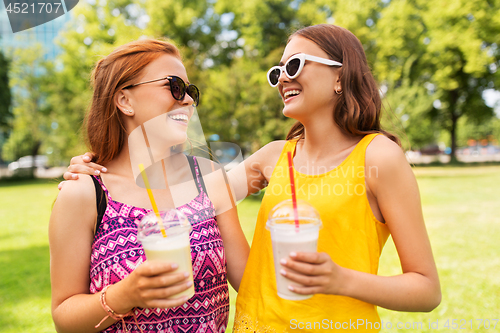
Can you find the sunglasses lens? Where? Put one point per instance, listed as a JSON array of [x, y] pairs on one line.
[[177, 87], [274, 76], [292, 67], [194, 93]]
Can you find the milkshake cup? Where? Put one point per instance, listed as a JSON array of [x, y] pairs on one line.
[[173, 248], [286, 237]]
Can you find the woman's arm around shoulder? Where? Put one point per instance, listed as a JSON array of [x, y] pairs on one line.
[[235, 244], [253, 174]]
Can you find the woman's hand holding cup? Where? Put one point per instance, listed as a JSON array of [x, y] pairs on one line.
[[153, 283], [314, 271]]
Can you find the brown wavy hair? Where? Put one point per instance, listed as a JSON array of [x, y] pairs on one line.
[[105, 132], [357, 111]]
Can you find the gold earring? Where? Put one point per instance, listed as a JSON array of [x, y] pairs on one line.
[[338, 91]]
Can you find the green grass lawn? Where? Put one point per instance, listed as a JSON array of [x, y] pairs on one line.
[[461, 208], [24, 256]]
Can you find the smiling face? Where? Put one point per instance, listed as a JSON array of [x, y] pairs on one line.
[[153, 101], [313, 91]]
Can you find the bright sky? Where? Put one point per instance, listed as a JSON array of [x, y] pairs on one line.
[[492, 99]]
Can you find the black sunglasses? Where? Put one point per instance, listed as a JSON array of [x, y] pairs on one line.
[[178, 88]]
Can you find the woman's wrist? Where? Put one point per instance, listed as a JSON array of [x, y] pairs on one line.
[[115, 299], [344, 282], [115, 315]]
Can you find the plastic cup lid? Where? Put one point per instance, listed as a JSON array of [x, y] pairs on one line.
[[283, 214], [173, 220]]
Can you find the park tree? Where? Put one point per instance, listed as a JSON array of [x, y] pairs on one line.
[[30, 109], [424, 56], [227, 48], [5, 100], [245, 108], [204, 34], [488, 131], [100, 27], [95, 30], [5, 94], [448, 48]]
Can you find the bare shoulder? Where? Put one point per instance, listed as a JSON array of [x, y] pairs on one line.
[[75, 207], [269, 154], [385, 153], [77, 192], [274, 147], [386, 160]]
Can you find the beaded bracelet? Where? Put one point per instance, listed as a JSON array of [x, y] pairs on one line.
[[113, 314]]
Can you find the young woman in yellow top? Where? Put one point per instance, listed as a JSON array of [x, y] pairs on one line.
[[358, 178]]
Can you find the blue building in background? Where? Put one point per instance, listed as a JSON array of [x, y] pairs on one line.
[[43, 34]]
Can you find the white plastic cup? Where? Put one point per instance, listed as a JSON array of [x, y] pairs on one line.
[[173, 248], [286, 238]]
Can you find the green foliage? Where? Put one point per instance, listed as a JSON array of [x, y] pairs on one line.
[[433, 61], [450, 49], [406, 115], [204, 37], [264, 25], [5, 94], [29, 108], [5, 101], [485, 130], [239, 105], [218, 50], [242, 108], [94, 32]]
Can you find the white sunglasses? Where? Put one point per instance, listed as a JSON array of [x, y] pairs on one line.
[[293, 67]]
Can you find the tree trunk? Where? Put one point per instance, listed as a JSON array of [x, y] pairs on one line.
[[453, 129], [453, 136], [34, 153]]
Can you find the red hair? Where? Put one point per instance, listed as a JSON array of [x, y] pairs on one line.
[[105, 132], [358, 110]]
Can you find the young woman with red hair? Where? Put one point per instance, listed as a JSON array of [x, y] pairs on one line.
[[100, 277]]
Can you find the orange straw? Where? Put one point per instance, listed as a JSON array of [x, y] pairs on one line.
[[152, 199], [294, 196]]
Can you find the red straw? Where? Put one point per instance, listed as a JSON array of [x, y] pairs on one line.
[[294, 197]]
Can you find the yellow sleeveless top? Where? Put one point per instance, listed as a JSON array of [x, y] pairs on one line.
[[351, 235]]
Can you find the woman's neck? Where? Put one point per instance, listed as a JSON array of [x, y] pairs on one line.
[[120, 165], [125, 182], [325, 139], [127, 162]]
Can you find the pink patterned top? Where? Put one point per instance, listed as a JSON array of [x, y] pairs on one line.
[[116, 253]]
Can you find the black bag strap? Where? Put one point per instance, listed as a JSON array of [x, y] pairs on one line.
[[101, 202]]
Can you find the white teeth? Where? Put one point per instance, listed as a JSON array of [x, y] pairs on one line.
[[180, 116], [291, 92]]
